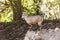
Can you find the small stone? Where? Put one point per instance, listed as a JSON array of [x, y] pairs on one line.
[[56, 29]]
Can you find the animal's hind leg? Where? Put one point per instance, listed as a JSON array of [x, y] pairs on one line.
[[39, 24]]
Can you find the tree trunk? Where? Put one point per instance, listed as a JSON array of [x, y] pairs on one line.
[[17, 9]]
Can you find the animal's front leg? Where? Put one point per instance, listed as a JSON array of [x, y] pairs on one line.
[[30, 26]]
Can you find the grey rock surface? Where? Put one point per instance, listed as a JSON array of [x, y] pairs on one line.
[[44, 34]]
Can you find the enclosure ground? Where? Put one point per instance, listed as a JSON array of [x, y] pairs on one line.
[[17, 31]]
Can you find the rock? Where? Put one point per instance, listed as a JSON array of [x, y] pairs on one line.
[[50, 34], [32, 35]]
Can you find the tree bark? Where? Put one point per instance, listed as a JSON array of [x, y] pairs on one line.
[[17, 9]]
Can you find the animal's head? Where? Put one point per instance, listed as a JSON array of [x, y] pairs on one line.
[[24, 16]]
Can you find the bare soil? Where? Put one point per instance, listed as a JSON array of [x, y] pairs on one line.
[[18, 30]]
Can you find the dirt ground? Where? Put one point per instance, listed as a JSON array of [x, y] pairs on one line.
[[17, 31]]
